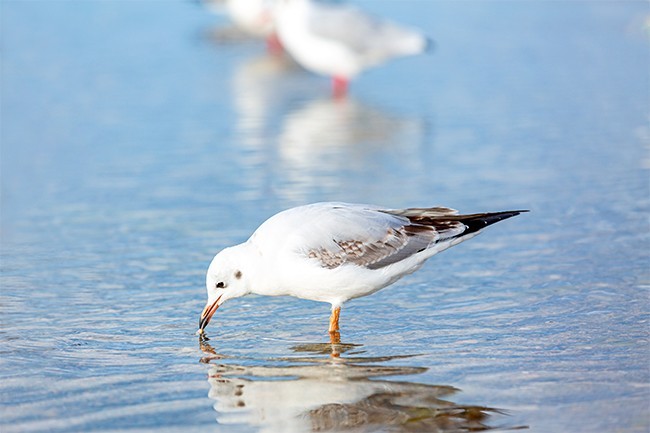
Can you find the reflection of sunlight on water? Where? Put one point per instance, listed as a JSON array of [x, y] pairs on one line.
[[313, 393]]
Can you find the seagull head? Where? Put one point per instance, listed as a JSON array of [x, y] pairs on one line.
[[225, 279]]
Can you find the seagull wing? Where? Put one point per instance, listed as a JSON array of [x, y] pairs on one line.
[[338, 234], [369, 237], [345, 24]]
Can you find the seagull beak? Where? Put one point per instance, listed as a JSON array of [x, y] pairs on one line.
[[208, 312]]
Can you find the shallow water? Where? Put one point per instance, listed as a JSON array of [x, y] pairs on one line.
[[137, 142]]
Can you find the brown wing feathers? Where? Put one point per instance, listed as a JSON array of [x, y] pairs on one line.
[[472, 222]]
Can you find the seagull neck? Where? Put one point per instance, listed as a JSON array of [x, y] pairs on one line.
[[252, 267], [260, 277]]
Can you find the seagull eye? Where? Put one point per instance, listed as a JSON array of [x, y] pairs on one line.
[[221, 285]]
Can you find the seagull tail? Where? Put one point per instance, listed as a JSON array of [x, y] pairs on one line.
[[404, 41]]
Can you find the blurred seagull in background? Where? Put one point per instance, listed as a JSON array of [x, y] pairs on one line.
[[252, 17], [340, 40], [333, 252]]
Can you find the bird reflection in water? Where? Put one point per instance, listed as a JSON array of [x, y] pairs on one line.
[[347, 392], [325, 142], [296, 143]]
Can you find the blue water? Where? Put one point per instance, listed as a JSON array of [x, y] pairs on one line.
[[136, 143]]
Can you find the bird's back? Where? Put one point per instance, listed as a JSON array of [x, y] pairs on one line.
[[371, 38]]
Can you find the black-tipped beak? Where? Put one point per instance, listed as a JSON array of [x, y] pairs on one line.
[[208, 312]]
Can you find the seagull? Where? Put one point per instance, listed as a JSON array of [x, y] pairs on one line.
[[252, 17], [341, 40], [333, 252]]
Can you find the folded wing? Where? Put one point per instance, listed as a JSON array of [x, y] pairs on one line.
[[374, 238]]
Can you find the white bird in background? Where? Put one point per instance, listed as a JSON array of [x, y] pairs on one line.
[[333, 252], [252, 17], [341, 40]]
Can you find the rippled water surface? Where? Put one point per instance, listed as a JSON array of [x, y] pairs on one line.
[[138, 140]]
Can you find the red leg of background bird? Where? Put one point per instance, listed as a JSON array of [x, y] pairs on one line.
[[273, 44], [339, 87]]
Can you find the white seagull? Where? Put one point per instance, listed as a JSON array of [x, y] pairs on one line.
[[333, 252], [340, 40], [253, 16]]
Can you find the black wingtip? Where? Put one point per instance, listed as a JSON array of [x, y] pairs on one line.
[[506, 214], [478, 222]]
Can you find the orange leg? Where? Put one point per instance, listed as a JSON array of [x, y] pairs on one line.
[[334, 319]]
